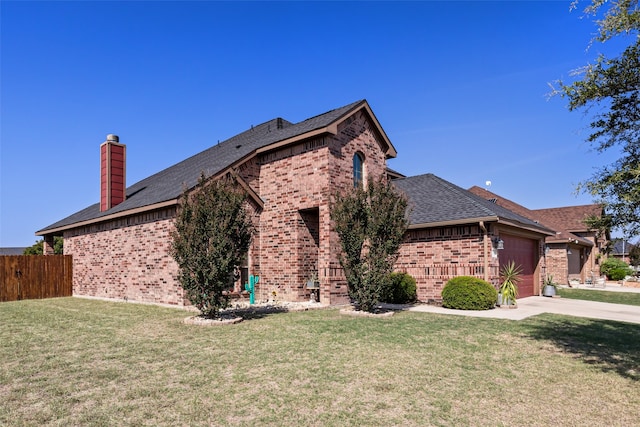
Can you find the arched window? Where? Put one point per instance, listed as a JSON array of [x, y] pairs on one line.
[[358, 169]]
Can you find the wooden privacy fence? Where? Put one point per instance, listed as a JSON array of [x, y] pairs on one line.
[[35, 277]]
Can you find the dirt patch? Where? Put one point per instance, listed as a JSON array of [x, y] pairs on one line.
[[630, 284], [239, 312], [218, 321], [359, 313]]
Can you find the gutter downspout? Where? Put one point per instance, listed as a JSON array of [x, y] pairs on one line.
[[485, 240]]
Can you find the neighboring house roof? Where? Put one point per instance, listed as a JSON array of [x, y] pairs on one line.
[[565, 221], [571, 217], [505, 203], [12, 251], [436, 202], [620, 249], [166, 186]]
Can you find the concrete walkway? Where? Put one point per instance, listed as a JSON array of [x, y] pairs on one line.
[[532, 306]]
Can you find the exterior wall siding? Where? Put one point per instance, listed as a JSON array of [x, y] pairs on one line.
[[433, 256], [355, 135], [126, 259], [556, 261], [296, 235], [293, 185]]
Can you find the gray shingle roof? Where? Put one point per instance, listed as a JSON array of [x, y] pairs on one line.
[[169, 183], [434, 200], [12, 251], [617, 247]]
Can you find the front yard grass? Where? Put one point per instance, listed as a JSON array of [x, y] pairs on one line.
[[629, 298], [71, 361]]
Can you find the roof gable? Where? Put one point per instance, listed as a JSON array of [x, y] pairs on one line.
[[165, 187]]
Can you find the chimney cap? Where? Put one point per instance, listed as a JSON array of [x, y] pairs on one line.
[[113, 138]]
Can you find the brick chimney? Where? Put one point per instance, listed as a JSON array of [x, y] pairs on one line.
[[112, 172]]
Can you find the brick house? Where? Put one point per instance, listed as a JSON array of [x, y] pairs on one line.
[[574, 250], [290, 172], [454, 232], [620, 249]]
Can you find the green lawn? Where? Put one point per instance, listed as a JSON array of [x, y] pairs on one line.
[[629, 298], [72, 362]]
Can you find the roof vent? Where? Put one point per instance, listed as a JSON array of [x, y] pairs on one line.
[[113, 138], [279, 124]]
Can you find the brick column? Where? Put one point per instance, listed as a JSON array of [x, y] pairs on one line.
[[47, 245]]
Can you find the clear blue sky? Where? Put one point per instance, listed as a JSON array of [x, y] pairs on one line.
[[459, 87]]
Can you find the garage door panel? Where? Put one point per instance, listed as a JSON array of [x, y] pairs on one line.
[[523, 252]]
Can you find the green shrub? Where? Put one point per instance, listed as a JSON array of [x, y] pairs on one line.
[[400, 289], [615, 269], [619, 273], [469, 293]]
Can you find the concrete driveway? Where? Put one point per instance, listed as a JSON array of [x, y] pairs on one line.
[[533, 306]]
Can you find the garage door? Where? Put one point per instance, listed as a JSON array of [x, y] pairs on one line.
[[524, 252]]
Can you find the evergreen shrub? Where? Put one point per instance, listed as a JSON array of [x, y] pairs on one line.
[[469, 293], [401, 288], [615, 269]]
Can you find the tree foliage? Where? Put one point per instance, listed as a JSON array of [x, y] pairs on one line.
[[213, 233], [401, 289], [371, 222], [612, 85], [634, 255], [615, 269], [38, 247]]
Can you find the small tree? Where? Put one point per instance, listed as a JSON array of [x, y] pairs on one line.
[[609, 87], [371, 223], [213, 233], [634, 255], [38, 247]]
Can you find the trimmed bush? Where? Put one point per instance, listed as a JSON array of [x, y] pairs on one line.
[[469, 293], [400, 289], [615, 269], [620, 273]]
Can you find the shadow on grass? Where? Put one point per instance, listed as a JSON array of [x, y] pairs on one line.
[[257, 312], [608, 345]]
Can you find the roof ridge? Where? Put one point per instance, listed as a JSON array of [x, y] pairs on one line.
[[345, 107], [469, 195], [570, 207], [169, 182]]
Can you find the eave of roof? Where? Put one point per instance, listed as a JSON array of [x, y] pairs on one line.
[[110, 217], [165, 187], [394, 174], [453, 222], [436, 202]]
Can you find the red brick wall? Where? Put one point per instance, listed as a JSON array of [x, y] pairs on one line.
[[296, 235], [355, 135], [129, 258], [556, 262], [435, 255], [126, 259], [293, 183]]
